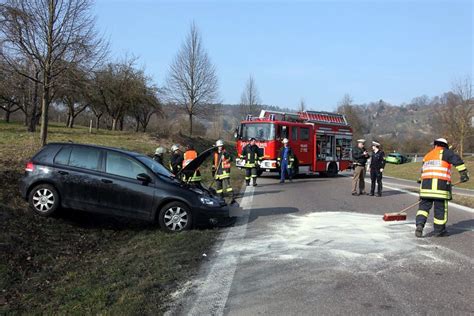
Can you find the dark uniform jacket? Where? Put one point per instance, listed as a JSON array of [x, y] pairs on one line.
[[251, 154], [377, 161], [358, 156], [176, 162], [158, 158]]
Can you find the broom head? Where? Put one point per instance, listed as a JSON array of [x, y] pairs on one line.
[[398, 216]]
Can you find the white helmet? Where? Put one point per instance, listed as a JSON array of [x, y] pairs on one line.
[[219, 143], [441, 140], [175, 147], [285, 141], [160, 151]]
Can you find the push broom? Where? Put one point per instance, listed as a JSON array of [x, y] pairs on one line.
[[402, 215]]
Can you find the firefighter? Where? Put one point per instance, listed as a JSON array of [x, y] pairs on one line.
[[285, 159], [189, 155], [377, 164], [436, 186], [252, 157], [176, 161], [159, 153], [221, 170], [360, 156]]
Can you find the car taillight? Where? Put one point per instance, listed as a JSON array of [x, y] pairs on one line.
[[30, 166]]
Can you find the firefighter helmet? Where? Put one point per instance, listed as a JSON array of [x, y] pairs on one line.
[[175, 147], [285, 141], [219, 143], [160, 151], [441, 141]]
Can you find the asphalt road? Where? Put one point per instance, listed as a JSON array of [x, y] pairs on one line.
[[311, 248]]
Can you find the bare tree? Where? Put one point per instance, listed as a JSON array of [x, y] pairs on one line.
[[72, 93], [52, 34], [192, 80], [115, 86], [346, 107], [250, 99], [456, 113], [302, 106]]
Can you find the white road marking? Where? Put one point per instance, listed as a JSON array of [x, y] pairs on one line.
[[214, 291], [451, 204]]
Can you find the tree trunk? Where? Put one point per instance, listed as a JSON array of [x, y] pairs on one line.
[[44, 114], [97, 125], [190, 124], [114, 124], [71, 121], [137, 127], [7, 116], [68, 119], [121, 123]]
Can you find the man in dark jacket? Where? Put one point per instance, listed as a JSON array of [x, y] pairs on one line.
[[286, 159], [251, 154], [377, 164], [176, 161], [360, 156]]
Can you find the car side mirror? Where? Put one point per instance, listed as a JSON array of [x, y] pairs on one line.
[[143, 177]]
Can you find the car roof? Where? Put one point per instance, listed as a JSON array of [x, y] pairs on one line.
[[120, 150]]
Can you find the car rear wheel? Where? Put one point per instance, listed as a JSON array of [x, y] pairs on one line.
[[175, 217], [44, 199], [332, 170]]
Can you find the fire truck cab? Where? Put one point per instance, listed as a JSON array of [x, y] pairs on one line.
[[321, 141]]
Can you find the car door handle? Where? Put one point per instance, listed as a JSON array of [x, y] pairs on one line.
[[106, 181], [63, 173]]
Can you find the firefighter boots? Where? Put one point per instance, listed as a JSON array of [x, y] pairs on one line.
[[419, 231]]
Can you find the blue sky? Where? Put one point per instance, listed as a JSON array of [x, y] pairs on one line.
[[316, 50]]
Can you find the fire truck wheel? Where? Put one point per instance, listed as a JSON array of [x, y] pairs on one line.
[[332, 170]]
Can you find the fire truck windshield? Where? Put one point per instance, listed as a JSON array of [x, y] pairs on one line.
[[260, 131]]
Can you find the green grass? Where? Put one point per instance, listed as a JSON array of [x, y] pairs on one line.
[[411, 171], [85, 263]]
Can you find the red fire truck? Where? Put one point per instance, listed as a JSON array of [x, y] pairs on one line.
[[321, 141]]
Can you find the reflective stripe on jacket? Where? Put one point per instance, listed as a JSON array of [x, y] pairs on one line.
[[222, 171], [251, 155], [189, 156], [436, 173]]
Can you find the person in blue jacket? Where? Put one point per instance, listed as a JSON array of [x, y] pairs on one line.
[[286, 159]]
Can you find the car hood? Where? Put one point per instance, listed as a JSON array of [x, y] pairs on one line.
[[197, 162]]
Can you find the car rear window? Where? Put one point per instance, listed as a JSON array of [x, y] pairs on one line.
[[83, 157], [46, 154], [62, 157]]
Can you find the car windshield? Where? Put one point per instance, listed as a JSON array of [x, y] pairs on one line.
[[156, 167], [259, 131], [394, 155]]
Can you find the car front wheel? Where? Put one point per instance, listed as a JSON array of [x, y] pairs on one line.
[[175, 217], [44, 199]]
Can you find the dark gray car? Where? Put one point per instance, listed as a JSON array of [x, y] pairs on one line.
[[116, 182]]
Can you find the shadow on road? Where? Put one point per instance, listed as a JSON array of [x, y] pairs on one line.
[[393, 192], [458, 228], [271, 211]]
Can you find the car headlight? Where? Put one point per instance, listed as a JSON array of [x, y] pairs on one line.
[[208, 201]]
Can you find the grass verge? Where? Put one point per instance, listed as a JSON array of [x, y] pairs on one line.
[[85, 263]]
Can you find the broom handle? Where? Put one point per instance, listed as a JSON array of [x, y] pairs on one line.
[[410, 206]]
